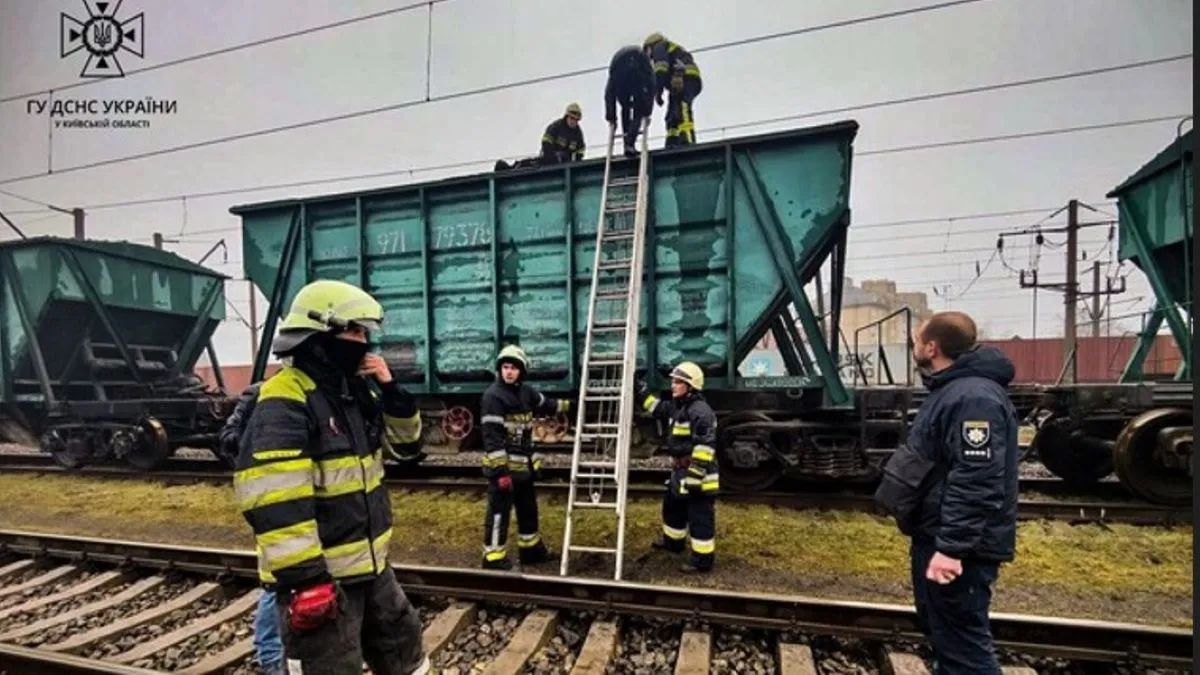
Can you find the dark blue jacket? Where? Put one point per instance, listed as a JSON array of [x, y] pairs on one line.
[[964, 438]]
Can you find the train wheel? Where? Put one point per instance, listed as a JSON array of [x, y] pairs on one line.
[[68, 452], [1072, 455], [747, 458], [147, 448], [457, 423], [1153, 455]]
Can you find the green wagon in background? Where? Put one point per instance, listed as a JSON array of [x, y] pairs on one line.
[[98, 343]]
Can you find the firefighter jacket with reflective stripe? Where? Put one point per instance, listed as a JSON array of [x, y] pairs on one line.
[[506, 415], [309, 476], [671, 60], [561, 143], [691, 435]]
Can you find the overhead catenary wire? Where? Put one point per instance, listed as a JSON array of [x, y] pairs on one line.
[[536, 80]]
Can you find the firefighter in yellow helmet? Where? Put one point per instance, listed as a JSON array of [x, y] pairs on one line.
[[309, 481], [676, 71], [509, 462], [689, 506], [563, 139]]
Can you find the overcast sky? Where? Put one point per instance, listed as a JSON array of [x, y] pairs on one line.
[[479, 43]]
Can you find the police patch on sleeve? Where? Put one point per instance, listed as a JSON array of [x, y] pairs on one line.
[[976, 434]]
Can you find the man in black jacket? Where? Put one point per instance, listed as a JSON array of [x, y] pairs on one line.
[[509, 462], [953, 489], [309, 481], [689, 505], [630, 83], [563, 139]]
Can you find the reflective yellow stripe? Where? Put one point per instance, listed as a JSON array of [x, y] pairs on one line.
[[681, 430], [564, 405], [704, 546], [660, 67], [289, 383], [650, 402], [276, 454], [338, 477], [492, 555], [380, 546], [403, 429], [702, 453], [673, 533], [692, 70], [289, 545], [273, 483], [348, 560], [528, 540], [373, 466], [711, 482]]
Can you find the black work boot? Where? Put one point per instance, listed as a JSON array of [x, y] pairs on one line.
[[503, 564], [668, 545], [535, 554], [689, 568]]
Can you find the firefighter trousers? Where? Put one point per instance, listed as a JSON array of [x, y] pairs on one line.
[[681, 120], [500, 504], [633, 110], [689, 516], [375, 624]]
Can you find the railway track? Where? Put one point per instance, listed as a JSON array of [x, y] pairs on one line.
[[1107, 503], [82, 605]]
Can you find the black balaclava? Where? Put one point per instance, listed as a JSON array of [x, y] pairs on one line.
[[331, 354]]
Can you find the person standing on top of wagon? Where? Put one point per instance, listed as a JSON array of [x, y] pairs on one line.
[[563, 139], [509, 462], [677, 72], [689, 505], [630, 83]]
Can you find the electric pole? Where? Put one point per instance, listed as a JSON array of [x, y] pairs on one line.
[[78, 215], [1069, 286], [1071, 289], [158, 240], [253, 323]]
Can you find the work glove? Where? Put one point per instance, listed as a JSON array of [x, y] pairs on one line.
[[677, 84], [228, 449], [504, 483], [640, 389], [312, 607]]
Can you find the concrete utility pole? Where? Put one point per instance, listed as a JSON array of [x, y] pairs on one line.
[[1095, 298], [79, 216], [1071, 290], [158, 240]]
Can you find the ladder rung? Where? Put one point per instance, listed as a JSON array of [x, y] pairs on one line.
[[594, 464], [597, 437], [619, 235], [601, 425], [623, 207], [622, 264], [617, 182], [608, 326], [613, 295], [604, 390], [585, 504], [600, 399], [599, 363], [597, 476], [593, 549], [608, 356]]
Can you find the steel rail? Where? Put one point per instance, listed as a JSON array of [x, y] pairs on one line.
[[450, 478], [1050, 636]]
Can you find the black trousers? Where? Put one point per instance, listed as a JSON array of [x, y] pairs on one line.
[[376, 623], [954, 616], [689, 516], [681, 119], [633, 110], [499, 507]]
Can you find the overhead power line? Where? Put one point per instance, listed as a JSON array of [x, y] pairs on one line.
[[235, 48], [412, 171], [537, 80]]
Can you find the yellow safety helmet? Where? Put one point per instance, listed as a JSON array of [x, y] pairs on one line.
[[514, 355], [574, 110], [652, 39], [689, 373], [327, 306]]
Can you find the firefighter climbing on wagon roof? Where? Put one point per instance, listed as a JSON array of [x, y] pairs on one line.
[[563, 138], [676, 71], [309, 481], [509, 462], [631, 83], [689, 505]]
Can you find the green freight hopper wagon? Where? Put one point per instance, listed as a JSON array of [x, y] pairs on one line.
[[1139, 428], [97, 347], [463, 266]]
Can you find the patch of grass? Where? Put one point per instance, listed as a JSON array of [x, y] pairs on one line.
[[858, 550]]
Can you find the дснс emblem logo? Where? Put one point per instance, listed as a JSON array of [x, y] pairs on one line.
[[103, 36]]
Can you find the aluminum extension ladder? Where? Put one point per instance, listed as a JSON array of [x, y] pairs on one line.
[[604, 422]]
